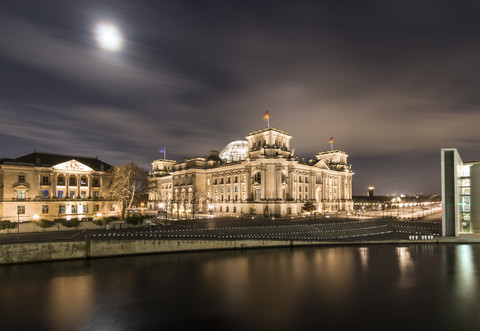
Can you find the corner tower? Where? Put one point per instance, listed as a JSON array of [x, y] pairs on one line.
[[269, 142]]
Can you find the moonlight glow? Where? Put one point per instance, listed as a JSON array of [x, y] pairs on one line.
[[108, 36]]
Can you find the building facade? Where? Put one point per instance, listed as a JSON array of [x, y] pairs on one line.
[[460, 194], [53, 186], [259, 176]]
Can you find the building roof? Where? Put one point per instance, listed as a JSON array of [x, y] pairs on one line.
[[268, 129], [235, 151], [50, 159]]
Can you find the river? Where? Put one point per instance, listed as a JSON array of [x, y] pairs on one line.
[[379, 287]]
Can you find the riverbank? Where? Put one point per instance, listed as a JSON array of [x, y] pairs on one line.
[[206, 235], [69, 250]]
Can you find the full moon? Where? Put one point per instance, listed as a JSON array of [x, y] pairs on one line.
[[108, 36]]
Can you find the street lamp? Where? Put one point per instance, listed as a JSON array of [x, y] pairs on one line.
[[18, 220], [161, 205], [210, 208]]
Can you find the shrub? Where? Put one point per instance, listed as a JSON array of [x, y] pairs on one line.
[[105, 220], [6, 225], [135, 219], [70, 224], [43, 223]]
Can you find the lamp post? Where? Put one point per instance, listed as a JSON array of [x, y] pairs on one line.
[[161, 205]]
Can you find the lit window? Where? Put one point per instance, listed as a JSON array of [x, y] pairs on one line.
[[20, 210], [21, 194], [72, 194], [45, 194], [72, 181], [61, 181], [60, 194], [83, 181]]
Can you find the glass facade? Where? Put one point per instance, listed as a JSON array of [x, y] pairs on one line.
[[465, 201], [234, 151]]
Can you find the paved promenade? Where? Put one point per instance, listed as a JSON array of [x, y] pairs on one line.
[[320, 229]]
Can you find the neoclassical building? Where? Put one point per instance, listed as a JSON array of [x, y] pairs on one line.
[[258, 176], [51, 186]]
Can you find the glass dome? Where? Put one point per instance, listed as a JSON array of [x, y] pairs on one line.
[[235, 151]]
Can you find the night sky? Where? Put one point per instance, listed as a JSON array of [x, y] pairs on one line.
[[391, 81]]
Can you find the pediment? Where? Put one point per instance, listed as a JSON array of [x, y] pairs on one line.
[[321, 164], [72, 165]]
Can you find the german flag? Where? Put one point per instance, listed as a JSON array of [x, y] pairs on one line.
[[331, 140], [266, 116]]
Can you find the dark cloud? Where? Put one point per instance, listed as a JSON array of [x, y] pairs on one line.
[[391, 81]]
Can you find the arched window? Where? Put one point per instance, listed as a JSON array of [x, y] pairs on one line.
[[258, 177]]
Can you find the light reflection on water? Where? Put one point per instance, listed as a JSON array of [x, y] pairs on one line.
[[379, 287]]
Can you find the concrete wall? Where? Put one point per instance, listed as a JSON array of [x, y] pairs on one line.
[[36, 252], [475, 197], [53, 251]]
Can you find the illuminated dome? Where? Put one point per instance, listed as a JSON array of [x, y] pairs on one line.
[[235, 151]]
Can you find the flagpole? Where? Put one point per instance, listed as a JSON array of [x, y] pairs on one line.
[[164, 153]]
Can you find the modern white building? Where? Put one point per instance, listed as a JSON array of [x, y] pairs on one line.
[[52, 186], [460, 194], [257, 176]]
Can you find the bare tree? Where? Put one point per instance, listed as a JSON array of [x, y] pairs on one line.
[[197, 200], [128, 185]]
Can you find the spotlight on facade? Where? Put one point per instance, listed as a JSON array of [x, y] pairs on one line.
[[99, 214], [161, 205], [36, 217]]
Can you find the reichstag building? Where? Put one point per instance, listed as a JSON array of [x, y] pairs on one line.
[[258, 176]]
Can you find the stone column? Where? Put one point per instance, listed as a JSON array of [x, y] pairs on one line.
[[263, 182], [290, 184], [79, 177], [278, 183], [67, 185], [248, 180], [89, 183], [54, 185]]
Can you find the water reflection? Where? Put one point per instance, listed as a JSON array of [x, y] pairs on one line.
[[69, 297], [405, 266], [283, 289]]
